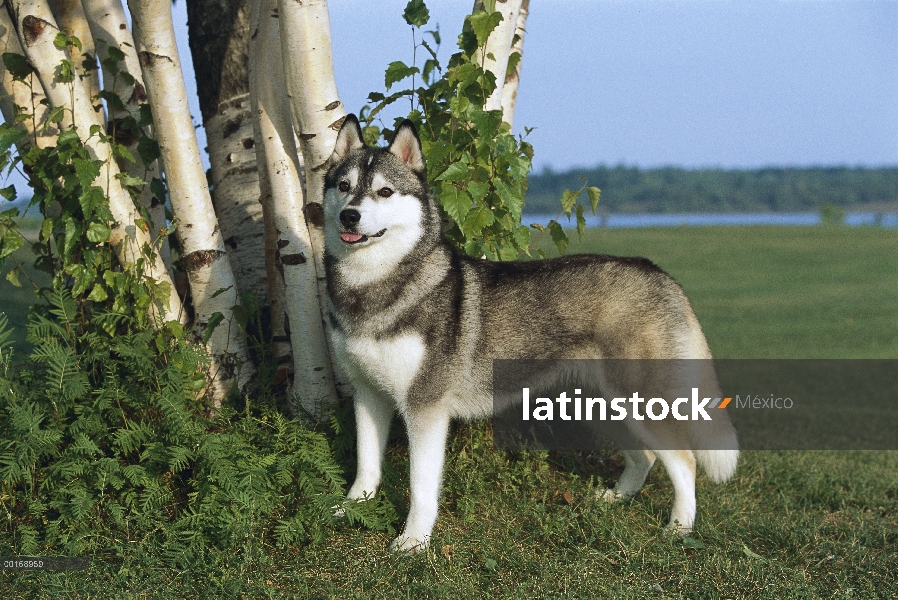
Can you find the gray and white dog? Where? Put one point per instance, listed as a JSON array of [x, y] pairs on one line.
[[416, 326]]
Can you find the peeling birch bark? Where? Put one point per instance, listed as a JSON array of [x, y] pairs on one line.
[[499, 46], [513, 78], [204, 258], [17, 97], [36, 29], [70, 17], [313, 380], [317, 117], [109, 29]]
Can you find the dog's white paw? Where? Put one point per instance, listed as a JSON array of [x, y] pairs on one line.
[[675, 528], [610, 495], [410, 544]]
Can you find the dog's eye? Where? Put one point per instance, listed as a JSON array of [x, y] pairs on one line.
[[344, 187], [385, 192]]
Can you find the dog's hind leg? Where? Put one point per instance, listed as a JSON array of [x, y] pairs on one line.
[[638, 464], [427, 432], [680, 465], [372, 420]]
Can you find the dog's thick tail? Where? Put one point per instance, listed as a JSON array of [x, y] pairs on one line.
[[720, 465]]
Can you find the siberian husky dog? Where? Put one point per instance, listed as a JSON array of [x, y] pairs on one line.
[[416, 326]]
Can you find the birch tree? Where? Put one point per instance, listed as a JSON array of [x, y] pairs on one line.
[[294, 256], [513, 69], [212, 285], [37, 30], [70, 17], [219, 44], [126, 92], [317, 114], [494, 57]]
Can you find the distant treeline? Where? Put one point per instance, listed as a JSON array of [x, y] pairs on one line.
[[669, 189]]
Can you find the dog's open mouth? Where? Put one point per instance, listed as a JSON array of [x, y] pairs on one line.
[[357, 238]]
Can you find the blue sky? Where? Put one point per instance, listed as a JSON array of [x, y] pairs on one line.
[[690, 83]]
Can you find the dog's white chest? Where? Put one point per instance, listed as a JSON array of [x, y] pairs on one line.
[[387, 364]]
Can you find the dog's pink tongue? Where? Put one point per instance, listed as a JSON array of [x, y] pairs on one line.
[[350, 237]]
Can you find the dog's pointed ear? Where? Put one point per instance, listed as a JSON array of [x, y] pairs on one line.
[[348, 139], [407, 147]]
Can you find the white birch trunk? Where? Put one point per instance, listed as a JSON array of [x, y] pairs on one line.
[[70, 17], [17, 97], [499, 46], [276, 151], [235, 197], [37, 29], [317, 117], [513, 78], [109, 29], [204, 257]]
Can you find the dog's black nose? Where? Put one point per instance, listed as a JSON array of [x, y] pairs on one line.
[[350, 217]]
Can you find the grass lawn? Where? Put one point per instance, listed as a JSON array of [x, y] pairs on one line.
[[789, 525]]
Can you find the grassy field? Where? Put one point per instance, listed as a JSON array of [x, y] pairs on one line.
[[789, 525]]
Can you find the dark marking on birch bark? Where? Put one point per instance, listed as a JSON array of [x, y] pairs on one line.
[[249, 143], [231, 242], [293, 259], [199, 259], [32, 28], [314, 214], [155, 202], [139, 94], [122, 26], [306, 136], [336, 125], [123, 135], [283, 244], [332, 105], [231, 127], [149, 59]]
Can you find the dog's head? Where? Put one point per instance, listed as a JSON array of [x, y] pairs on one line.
[[377, 207]]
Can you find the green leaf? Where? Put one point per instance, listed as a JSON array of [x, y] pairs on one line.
[[127, 180], [9, 192], [98, 232], [483, 24], [512, 199], [397, 71], [87, 171], [13, 278], [478, 190], [568, 199], [56, 115], [455, 202], [241, 316], [115, 54], [594, 195], [416, 13], [581, 221], [122, 152], [558, 236], [477, 219], [148, 150], [17, 65], [146, 116], [487, 123], [457, 171], [65, 72], [11, 241], [220, 291], [61, 40], [214, 321], [98, 294]]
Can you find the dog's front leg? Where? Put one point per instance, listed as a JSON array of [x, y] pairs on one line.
[[372, 420], [427, 431]]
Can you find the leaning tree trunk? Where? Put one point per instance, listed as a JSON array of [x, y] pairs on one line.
[[70, 17], [313, 380], [219, 43], [37, 29], [109, 29], [513, 76], [498, 47], [19, 97], [317, 116], [204, 258]]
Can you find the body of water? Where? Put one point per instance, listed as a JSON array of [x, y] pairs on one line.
[[853, 219]]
